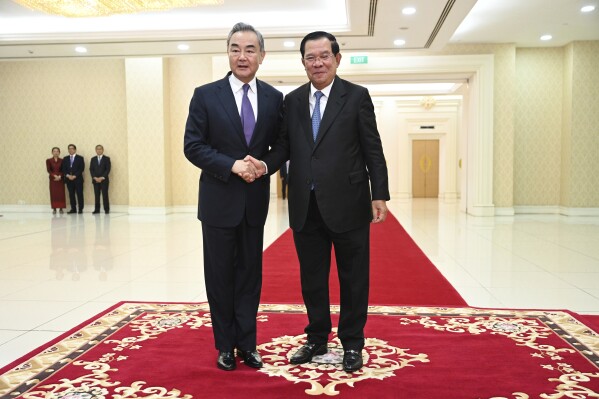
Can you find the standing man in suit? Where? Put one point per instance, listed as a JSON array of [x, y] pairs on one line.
[[283, 172], [228, 120], [338, 184], [99, 168], [73, 166]]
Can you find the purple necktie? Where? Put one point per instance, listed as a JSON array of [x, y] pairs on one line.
[[247, 115]]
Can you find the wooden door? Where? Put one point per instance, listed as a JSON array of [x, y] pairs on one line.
[[425, 168]]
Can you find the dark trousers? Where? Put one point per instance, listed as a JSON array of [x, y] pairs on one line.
[[352, 253], [284, 187], [75, 189], [101, 187], [233, 275]]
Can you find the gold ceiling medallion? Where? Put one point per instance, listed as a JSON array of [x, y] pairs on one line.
[[428, 102], [101, 8]]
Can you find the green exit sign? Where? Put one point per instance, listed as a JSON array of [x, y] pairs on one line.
[[359, 59]]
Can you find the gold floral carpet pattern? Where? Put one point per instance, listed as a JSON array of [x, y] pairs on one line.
[[165, 350]]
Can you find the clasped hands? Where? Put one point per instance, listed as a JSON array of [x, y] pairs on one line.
[[249, 168]]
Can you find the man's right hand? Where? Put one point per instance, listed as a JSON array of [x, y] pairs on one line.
[[245, 170], [258, 165]]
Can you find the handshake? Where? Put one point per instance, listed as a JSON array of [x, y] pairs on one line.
[[249, 168]]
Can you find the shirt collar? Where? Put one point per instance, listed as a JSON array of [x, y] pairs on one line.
[[326, 91], [237, 84]]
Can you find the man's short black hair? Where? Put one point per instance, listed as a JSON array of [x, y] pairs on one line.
[[318, 35]]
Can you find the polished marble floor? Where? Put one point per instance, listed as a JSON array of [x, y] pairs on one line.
[[58, 271]]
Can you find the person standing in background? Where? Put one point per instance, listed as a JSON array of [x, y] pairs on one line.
[[99, 168], [72, 168], [284, 172], [58, 200], [228, 120]]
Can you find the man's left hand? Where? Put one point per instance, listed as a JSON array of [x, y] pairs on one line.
[[379, 211]]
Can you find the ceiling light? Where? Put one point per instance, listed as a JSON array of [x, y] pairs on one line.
[[91, 8], [408, 11], [183, 47], [289, 43], [587, 9], [399, 42], [80, 49], [546, 37]]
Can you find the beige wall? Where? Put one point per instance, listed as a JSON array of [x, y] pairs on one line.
[[581, 132], [53, 103], [557, 126], [537, 151], [186, 73], [545, 136]]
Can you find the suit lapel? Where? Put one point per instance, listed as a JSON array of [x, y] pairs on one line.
[[335, 103], [263, 108], [227, 100], [303, 108]]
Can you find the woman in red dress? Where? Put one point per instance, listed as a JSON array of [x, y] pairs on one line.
[[57, 196]]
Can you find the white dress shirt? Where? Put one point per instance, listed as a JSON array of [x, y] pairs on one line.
[[323, 100], [237, 87]]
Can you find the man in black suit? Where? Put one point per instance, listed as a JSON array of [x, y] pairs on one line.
[[73, 166], [228, 120], [338, 184], [283, 173], [99, 168]]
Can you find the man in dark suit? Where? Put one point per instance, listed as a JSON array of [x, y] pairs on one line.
[[338, 184], [228, 120], [284, 175], [99, 168], [73, 166]]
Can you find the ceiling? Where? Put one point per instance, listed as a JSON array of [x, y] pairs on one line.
[[358, 24]]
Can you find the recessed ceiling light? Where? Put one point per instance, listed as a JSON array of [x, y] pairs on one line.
[[289, 43], [546, 37], [587, 9], [399, 42], [408, 11], [80, 49], [183, 47]]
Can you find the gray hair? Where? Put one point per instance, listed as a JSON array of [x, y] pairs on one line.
[[242, 27]]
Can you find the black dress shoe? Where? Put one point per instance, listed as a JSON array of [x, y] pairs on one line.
[[352, 361], [71, 211], [250, 358], [95, 212], [80, 211], [226, 361], [307, 352]]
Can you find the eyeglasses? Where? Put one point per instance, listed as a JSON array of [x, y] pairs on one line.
[[323, 58]]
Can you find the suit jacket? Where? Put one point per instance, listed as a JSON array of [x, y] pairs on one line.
[[76, 169], [99, 170], [214, 140], [346, 164]]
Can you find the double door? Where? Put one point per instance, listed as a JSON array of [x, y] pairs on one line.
[[425, 168]]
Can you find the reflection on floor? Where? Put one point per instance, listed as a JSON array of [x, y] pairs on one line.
[[59, 270]]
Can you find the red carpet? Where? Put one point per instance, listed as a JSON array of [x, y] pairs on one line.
[[436, 348], [400, 272], [152, 350]]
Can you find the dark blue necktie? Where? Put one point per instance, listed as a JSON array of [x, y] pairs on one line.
[[247, 115], [316, 115]]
